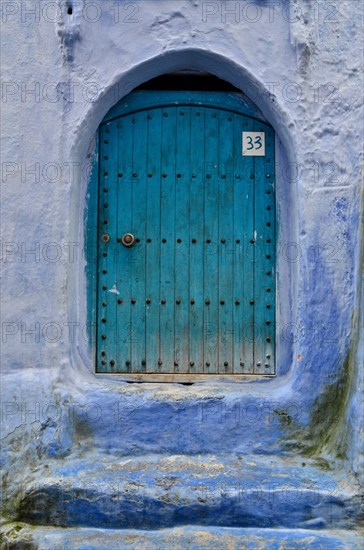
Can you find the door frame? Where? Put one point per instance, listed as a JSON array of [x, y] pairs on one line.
[[138, 101]]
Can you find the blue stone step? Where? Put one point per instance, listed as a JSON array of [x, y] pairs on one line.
[[157, 491], [183, 538]]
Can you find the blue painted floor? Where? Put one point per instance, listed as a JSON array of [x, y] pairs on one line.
[[184, 538], [157, 492]]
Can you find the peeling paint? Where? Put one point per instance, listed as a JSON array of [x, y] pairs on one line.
[[114, 290]]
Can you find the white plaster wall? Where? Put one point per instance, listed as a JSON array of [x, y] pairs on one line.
[[300, 61]]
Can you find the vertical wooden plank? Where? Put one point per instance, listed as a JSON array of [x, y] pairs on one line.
[[241, 347], [225, 190], [182, 239], [125, 256], [167, 236], [211, 243], [271, 228], [107, 338], [264, 264], [153, 228], [244, 252], [138, 229], [196, 245]]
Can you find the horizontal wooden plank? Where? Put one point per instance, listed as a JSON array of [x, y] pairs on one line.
[[186, 378], [226, 101]]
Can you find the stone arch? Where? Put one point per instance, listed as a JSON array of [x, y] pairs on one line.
[[286, 169]]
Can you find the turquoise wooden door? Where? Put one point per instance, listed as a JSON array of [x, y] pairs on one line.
[[186, 245]]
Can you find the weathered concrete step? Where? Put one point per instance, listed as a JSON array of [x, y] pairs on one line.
[[184, 538], [154, 492]]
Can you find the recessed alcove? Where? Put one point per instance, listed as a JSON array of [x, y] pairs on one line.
[[225, 324]]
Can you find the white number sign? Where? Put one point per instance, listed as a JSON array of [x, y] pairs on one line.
[[253, 144]]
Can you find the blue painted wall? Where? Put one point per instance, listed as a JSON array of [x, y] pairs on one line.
[[302, 70]]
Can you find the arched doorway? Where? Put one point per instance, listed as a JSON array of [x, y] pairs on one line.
[[186, 237]]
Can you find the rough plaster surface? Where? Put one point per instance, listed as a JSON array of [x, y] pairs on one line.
[[301, 64], [191, 538]]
